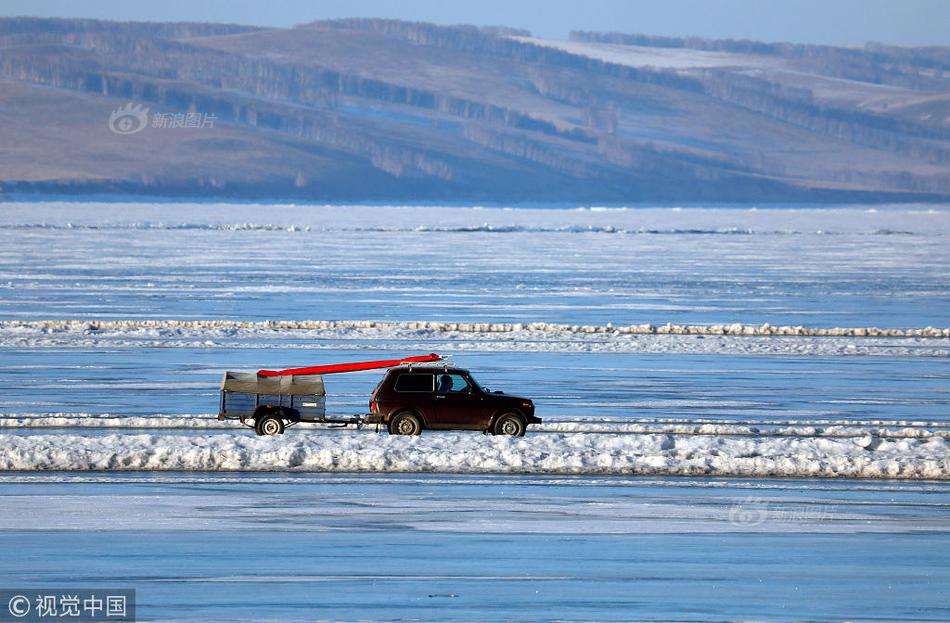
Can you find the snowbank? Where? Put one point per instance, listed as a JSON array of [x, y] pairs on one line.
[[632, 426], [734, 329], [90, 420], [899, 219], [477, 337], [574, 453]]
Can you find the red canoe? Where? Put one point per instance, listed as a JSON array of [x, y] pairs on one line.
[[351, 367]]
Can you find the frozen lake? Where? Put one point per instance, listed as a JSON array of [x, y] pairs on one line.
[[246, 547], [141, 381], [717, 404], [508, 535], [883, 266], [854, 266]]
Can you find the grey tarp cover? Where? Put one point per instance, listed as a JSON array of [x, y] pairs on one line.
[[291, 385]]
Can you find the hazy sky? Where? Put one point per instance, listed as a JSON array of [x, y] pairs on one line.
[[848, 22]]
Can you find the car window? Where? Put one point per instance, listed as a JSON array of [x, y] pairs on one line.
[[415, 382], [451, 383]]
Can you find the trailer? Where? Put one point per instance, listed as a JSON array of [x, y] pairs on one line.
[[269, 401]]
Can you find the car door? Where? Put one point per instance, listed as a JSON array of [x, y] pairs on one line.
[[415, 391], [459, 402]]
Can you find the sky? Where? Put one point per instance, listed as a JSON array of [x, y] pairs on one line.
[[841, 22]]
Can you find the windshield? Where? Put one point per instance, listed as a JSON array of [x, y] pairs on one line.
[[476, 384]]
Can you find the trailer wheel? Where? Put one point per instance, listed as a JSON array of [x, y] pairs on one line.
[[509, 424], [269, 425], [405, 423]]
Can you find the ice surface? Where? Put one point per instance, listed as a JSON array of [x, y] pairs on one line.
[[154, 379], [714, 325], [831, 267], [209, 522], [368, 547], [638, 504]]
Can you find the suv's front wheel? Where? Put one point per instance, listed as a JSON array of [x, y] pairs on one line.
[[509, 424], [405, 423]]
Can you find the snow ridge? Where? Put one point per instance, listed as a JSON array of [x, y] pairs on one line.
[[764, 428], [735, 329], [559, 453], [489, 228]]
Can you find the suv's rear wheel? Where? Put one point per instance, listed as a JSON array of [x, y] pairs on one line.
[[269, 425], [405, 423], [509, 424]]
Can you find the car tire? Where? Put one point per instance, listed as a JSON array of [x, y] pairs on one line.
[[405, 423], [269, 425], [510, 424]]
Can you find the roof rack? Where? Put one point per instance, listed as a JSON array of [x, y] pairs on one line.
[[432, 364]]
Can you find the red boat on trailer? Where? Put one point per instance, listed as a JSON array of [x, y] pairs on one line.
[[413, 396], [276, 399]]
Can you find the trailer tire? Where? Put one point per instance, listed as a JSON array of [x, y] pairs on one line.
[[509, 424], [269, 425], [405, 423]]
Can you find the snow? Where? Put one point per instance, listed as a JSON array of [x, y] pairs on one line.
[[226, 327], [581, 424], [667, 58], [96, 420], [425, 336], [868, 95], [555, 453], [782, 221]]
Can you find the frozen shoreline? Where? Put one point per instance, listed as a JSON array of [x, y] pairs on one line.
[[556, 453]]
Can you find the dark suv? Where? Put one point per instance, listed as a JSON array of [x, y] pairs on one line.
[[410, 399]]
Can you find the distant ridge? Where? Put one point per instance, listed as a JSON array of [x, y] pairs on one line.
[[387, 110]]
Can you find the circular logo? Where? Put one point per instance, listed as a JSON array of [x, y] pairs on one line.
[[128, 119], [19, 606], [748, 513]]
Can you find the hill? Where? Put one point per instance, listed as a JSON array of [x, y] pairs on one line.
[[371, 109]]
